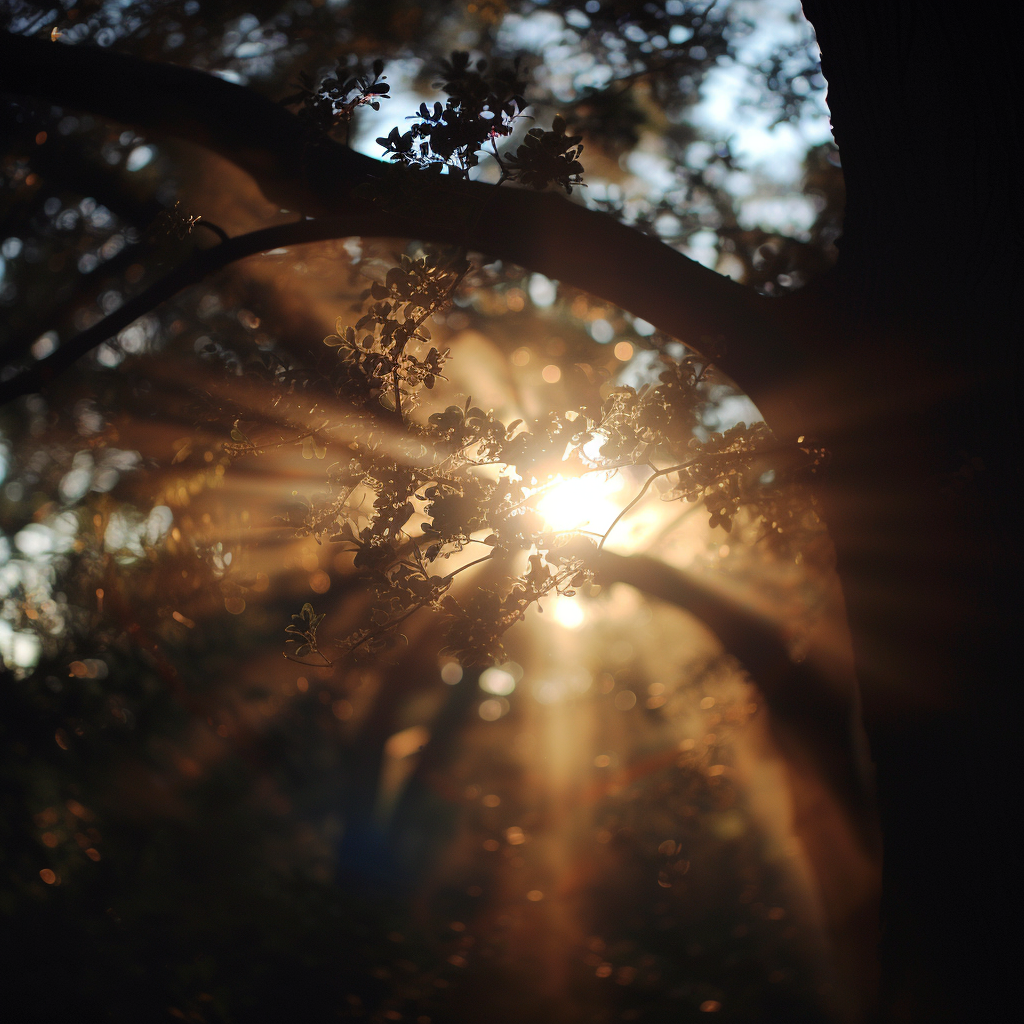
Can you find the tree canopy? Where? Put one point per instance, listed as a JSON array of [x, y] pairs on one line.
[[418, 458]]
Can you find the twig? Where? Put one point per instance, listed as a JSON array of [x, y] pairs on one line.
[[643, 490], [201, 222], [398, 393], [298, 661]]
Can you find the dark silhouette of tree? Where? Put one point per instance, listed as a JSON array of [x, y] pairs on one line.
[[893, 364]]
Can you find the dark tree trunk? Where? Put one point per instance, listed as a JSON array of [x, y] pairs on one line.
[[917, 390]]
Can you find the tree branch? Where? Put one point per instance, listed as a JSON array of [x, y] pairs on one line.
[[541, 231], [807, 709], [197, 267]]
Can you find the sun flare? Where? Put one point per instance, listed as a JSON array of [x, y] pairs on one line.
[[582, 503]]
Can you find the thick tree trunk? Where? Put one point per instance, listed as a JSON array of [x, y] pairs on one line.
[[925, 484]]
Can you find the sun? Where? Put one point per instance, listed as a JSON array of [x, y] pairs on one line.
[[582, 503]]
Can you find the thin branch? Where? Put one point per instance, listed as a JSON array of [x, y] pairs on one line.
[[773, 449], [195, 269], [398, 394], [259, 449], [635, 501], [427, 311], [422, 603], [298, 661], [201, 222], [390, 624], [468, 565]]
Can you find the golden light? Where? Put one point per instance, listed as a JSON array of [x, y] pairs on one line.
[[408, 741], [568, 613], [582, 503]]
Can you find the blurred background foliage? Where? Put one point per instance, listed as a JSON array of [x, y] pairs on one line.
[[194, 827]]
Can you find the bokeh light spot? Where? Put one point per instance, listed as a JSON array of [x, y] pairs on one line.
[[625, 699], [496, 681], [451, 672]]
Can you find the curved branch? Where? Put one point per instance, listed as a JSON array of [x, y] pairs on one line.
[[807, 709], [541, 231], [197, 267]]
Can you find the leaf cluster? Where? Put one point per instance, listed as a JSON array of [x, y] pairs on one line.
[[426, 498], [383, 362], [332, 102], [483, 105], [663, 415], [475, 626], [431, 502], [302, 633], [410, 493], [745, 467], [547, 157]]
